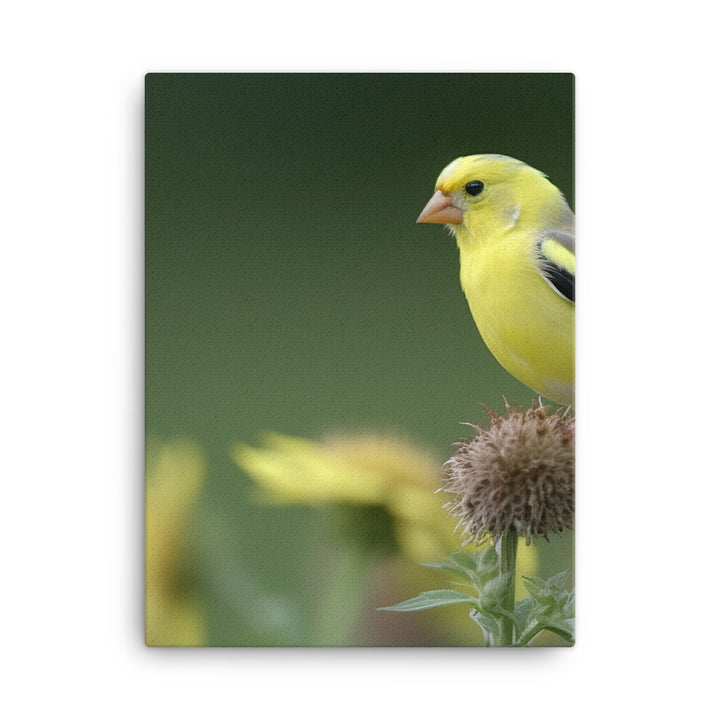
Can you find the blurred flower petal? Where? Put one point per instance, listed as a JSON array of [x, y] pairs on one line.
[[175, 477]]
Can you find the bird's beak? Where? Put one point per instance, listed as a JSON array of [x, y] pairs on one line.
[[440, 210]]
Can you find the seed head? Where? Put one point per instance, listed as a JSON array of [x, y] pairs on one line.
[[519, 473]]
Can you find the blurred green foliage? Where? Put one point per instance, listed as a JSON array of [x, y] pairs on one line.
[[289, 289]]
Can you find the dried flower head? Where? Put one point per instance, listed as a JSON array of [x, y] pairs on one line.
[[519, 473]]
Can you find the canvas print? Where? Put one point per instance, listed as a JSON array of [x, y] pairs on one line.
[[359, 360]]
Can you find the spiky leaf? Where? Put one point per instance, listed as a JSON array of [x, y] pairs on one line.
[[433, 598]]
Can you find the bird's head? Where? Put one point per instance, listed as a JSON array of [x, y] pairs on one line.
[[485, 192]]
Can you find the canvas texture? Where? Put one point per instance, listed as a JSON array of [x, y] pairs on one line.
[[329, 436]]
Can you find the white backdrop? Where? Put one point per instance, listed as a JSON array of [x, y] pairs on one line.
[[72, 301]]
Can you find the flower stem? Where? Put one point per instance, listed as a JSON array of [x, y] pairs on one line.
[[344, 596], [507, 554]]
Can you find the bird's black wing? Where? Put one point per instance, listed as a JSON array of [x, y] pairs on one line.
[[556, 254]]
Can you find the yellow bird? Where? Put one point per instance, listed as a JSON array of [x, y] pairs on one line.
[[516, 236]]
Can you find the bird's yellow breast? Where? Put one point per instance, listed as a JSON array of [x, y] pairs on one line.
[[523, 321]]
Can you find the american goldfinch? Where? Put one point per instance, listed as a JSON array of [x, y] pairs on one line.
[[516, 236]]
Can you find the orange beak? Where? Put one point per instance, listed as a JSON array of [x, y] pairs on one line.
[[440, 210]]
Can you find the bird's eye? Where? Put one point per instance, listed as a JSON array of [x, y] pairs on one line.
[[475, 187]]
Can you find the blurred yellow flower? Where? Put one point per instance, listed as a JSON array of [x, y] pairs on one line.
[[371, 470], [357, 470], [175, 474]]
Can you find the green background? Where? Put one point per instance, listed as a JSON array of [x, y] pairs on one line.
[[288, 288]]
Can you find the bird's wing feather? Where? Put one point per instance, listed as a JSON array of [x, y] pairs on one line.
[[556, 251]]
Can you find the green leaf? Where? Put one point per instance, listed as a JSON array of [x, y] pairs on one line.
[[465, 560], [460, 564], [565, 629], [545, 594], [454, 569], [523, 612], [569, 606], [551, 608], [530, 632], [431, 599], [488, 564], [493, 590], [486, 621], [558, 581], [534, 585]]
